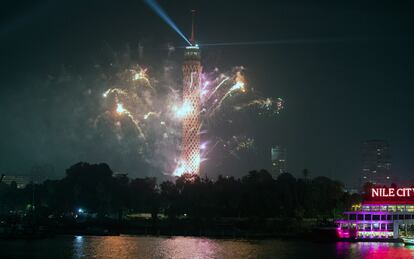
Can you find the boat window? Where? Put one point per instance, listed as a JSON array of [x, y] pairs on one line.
[[367, 216], [367, 226], [389, 217], [383, 226], [400, 216], [390, 226], [360, 226], [344, 226], [383, 217], [375, 217], [407, 216], [400, 208], [353, 226], [392, 208], [352, 216], [365, 208], [360, 216], [410, 208], [375, 208], [375, 226], [383, 208], [395, 216]]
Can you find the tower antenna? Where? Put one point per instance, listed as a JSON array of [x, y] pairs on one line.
[[192, 39]]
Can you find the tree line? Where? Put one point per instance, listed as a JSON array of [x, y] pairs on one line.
[[95, 189]]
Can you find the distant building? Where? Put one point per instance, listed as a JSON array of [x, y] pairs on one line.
[[120, 175], [278, 156], [351, 190], [21, 181], [376, 162]]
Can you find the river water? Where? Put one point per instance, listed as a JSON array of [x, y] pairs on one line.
[[192, 247]]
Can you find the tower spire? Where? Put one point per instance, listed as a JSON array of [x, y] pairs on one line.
[[192, 39]]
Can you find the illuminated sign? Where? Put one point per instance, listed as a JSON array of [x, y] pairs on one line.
[[392, 192]]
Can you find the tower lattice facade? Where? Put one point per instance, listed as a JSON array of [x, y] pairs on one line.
[[190, 154]]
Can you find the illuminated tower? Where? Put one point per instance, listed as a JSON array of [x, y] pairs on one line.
[[190, 154]]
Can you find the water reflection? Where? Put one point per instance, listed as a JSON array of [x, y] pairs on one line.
[[374, 250], [190, 247], [78, 246]]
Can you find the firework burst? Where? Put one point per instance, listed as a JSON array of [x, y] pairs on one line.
[[154, 108]]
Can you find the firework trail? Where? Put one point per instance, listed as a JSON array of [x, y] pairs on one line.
[[142, 103], [233, 85], [154, 108], [264, 105]]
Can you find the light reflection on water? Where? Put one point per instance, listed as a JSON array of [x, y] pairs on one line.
[[374, 250], [190, 247]]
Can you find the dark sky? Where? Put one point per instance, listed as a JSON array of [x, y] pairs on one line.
[[343, 68]]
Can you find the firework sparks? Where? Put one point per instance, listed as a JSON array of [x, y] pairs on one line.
[[149, 114], [183, 111], [120, 108], [236, 144], [240, 83], [218, 86], [154, 108], [264, 105]]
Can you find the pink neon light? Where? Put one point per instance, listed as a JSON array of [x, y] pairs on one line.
[[392, 192]]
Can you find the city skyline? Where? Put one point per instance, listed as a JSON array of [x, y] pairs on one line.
[[343, 81], [206, 129]]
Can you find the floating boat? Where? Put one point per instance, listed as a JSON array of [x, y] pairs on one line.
[[408, 240]]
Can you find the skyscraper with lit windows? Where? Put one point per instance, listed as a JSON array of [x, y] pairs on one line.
[[278, 156], [376, 162]]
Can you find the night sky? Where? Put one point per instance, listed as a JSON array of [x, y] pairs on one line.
[[345, 71]]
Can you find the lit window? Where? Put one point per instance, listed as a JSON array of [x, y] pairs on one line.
[[401, 208], [367, 227], [375, 226], [392, 208], [365, 208]]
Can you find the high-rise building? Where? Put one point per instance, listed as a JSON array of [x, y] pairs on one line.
[[278, 155], [190, 148], [20, 180], [376, 162]]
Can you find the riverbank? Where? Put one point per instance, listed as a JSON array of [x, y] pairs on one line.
[[216, 228]]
